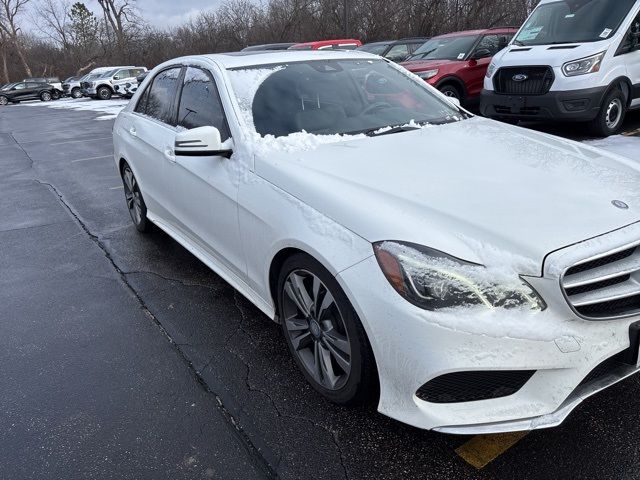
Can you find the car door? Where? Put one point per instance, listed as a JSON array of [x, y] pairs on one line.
[[121, 77], [630, 53], [20, 92], [204, 197], [479, 61], [151, 129]]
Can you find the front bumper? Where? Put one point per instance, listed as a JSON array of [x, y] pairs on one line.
[[413, 347], [572, 105]]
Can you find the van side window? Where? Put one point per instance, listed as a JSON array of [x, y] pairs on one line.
[[200, 104], [158, 100], [631, 41]]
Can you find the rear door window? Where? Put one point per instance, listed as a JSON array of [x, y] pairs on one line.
[[200, 104], [158, 101]]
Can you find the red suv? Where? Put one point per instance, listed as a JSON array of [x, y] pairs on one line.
[[456, 63], [345, 44]]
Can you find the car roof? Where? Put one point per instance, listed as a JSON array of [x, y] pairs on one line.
[[234, 60], [484, 31]]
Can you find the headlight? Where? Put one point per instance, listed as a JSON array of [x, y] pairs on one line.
[[433, 280], [491, 70], [428, 74], [583, 66]]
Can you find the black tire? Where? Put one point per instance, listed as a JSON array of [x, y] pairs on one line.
[[611, 115], [360, 385], [76, 93], [104, 93], [46, 96], [451, 90], [4, 100], [135, 202]]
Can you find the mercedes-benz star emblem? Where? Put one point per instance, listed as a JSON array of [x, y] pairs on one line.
[[620, 204]]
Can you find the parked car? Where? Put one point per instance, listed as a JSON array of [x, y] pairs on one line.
[[53, 81], [396, 51], [103, 86], [21, 91], [350, 44], [465, 294], [571, 61], [268, 46], [71, 87], [456, 63]]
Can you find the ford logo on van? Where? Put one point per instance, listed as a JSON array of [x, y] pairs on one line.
[[521, 77]]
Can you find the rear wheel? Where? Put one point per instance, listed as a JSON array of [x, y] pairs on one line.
[[324, 333], [135, 202], [4, 100], [104, 93], [46, 96], [611, 115], [76, 93]]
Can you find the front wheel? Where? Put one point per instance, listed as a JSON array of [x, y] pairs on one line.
[[76, 93], [135, 202], [45, 97], [451, 91], [4, 100], [104, 93], [324, 333], [611, 115]]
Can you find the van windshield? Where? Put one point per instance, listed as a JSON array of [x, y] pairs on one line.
[[573, 21]]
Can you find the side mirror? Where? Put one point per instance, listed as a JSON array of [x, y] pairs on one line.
[[481, 53], [200, 142]]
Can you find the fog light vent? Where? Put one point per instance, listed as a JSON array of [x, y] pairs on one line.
[[473, 386]]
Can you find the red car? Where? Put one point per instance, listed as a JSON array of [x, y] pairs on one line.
[[348, 44], [456, 63]]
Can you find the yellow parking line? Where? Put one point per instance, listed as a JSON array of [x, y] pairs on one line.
[[484, 449]]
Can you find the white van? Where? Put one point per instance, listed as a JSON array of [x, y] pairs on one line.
[[572, 60]]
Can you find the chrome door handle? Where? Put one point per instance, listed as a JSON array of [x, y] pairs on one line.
[[170, 154], [133, 132]]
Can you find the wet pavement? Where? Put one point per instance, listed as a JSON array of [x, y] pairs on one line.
[[122, 356]]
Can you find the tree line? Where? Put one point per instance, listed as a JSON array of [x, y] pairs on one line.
[[65, 38]]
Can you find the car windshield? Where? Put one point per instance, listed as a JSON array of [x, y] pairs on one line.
[[327, 97], [375, 48], [573, 21], [445, 48]]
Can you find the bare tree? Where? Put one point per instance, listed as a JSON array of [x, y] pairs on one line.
[[118, 15], [52, 19], [9, 12]]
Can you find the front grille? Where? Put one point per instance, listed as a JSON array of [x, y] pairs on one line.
[[473, 386], [537, 80], [607, 286]]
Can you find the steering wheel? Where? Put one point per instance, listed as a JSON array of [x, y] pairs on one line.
[[376, 106]]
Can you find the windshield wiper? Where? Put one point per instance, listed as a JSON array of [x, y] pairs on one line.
[[377, 132]]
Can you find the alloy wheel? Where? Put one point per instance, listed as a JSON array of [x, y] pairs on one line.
[[614, 113], [76, 94], [316, 329], [132, 195], [4, 101], [46, 97]]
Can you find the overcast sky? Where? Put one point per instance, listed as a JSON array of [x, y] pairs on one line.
[[162, 13]]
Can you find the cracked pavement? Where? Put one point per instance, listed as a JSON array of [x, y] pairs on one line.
[[125, 357]]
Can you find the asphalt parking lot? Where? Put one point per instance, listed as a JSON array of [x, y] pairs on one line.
[[122, 356]]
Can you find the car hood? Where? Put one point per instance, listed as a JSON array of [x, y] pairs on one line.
[[476, 189], [422, 65], [552, 55]]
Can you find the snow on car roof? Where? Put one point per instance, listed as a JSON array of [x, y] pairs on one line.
[[250, 59]]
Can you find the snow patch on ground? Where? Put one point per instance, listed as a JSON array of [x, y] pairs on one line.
[[619, 144], [109, 108]]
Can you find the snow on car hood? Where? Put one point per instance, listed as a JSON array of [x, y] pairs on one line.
[[516, 193]]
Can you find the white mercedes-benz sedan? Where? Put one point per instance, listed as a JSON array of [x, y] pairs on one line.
[[468, 276]]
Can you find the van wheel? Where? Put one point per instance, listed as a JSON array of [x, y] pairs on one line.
[[324, 333], [104, 93], [611, 115], [451, 91], [45, 97]]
